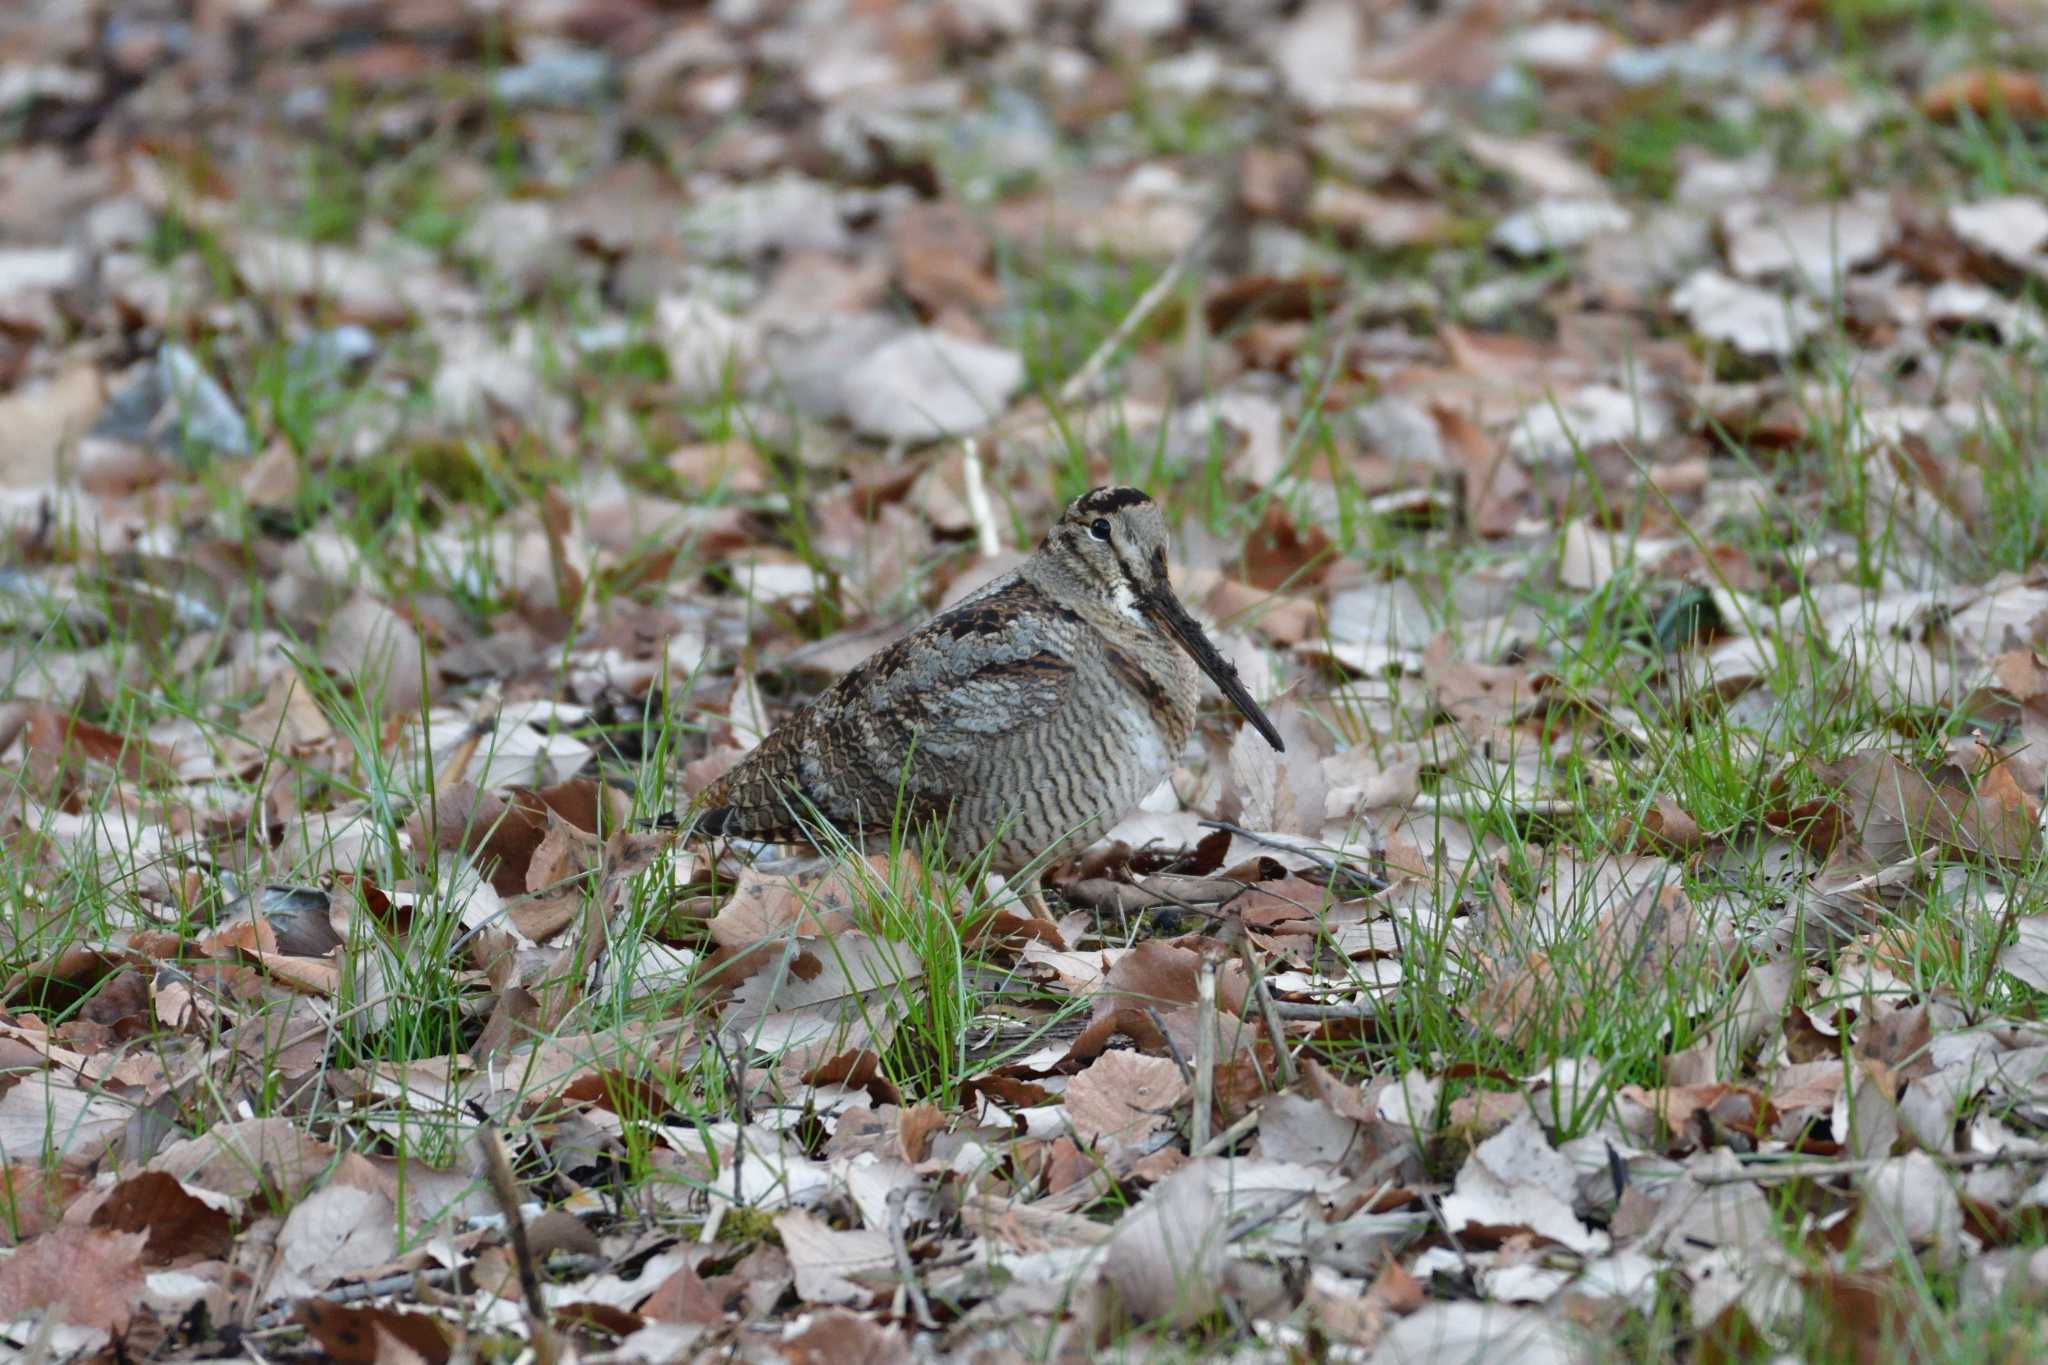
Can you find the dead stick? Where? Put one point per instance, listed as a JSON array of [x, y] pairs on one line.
[[1267, 1013], [1229, 1135], [1205, 1051], [1325, 1014], [437, 1278], [1148, 303], [1078, 383], [899, 1243], [505, 1186], [1827, 1170]]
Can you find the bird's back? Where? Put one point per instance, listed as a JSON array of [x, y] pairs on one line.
[[1019, 719]]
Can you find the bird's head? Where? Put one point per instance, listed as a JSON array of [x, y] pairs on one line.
[[1111, 545]]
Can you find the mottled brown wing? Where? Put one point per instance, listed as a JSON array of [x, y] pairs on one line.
[[894, 729]]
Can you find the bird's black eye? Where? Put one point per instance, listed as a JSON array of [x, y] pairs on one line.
[[1100, 530]]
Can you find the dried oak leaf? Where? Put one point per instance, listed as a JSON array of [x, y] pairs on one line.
[[942, 259], [1167, 1256], [357, 1335], [1125, 1099], [34, 1198], [180, 1224], [1152, 986], [837, 1335], [1279, 554], [90, 1277], [1898, 811], [827, 1262], [1986, 90], [684, 1296]]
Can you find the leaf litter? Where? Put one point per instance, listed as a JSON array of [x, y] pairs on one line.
[[440, 443]]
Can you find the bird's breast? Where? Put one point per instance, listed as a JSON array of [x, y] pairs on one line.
[[1158, 684]]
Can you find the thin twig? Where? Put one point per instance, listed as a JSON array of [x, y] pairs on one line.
[[504, 1185], [714, 1218], [1270, 1016], [1319, 1014], [989, 539], [1766, 1169], [920, 1308], [1336, 867], [437, 1278], [1461, 807], [1187, 1073], [1229, 1135], [1205, 1051], [1078, 382]]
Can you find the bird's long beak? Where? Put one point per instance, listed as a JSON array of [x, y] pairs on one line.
[[1163, 607]]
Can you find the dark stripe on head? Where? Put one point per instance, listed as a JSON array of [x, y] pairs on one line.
[[1072, 543], [1133, 577], [1097, 501]]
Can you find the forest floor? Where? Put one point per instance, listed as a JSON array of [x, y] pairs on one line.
[[439, 437]]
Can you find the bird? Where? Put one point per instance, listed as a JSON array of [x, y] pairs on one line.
[[1022, 721]]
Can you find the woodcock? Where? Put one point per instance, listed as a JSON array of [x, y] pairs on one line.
[[1028, 717]]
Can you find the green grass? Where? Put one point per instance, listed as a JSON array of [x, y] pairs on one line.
[[1530, 814]]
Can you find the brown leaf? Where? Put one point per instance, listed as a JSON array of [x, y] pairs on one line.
[[764, 907], [90, 1277], [1273, 182], [1388, 222], [684, 1297], [501, 835], [1496, 487], [1166, 1258], [179, 1224], [564, 852], [1481, 698], [836, 1335], [856, 1069], [1898, 811], [41, 420], [1278, 554], [338, 1230], [1124, 1099], [379, 656], [1155, 980], [942, 259], [34, 1199], [1984, 91], [1640, 936], [1397, 1290], [353, 1335], [1292, 298], [833, 1267], [1666, 828], [66, 740]]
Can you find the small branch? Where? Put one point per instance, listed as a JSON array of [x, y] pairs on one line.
[[1079, 381], [437, 1278], [1076, 385], [1229, 1135], [1269, 1015], [505, 1187], [1321, 1014], [1187, 1073], [1205, 1051], [1335, 867], [989, 539], [1460, 807], [1768, 1169], [899, 1243]]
